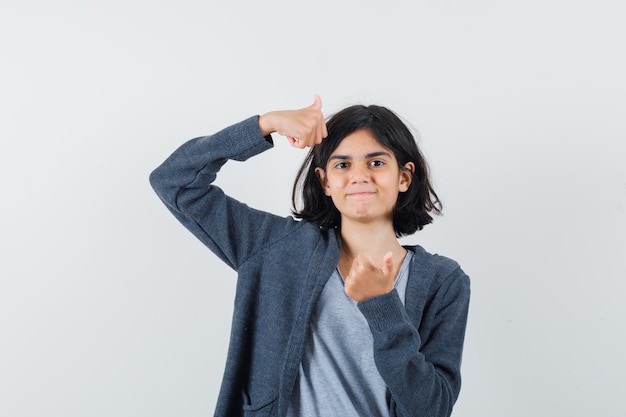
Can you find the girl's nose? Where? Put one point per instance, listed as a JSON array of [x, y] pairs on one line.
[[359, 173]]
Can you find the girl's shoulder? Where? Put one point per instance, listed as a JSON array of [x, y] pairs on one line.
[[434, 267]]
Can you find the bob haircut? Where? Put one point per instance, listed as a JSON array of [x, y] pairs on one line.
[[413, 207]]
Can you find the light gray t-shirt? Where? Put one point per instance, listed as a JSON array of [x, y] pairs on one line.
[[337, 375]]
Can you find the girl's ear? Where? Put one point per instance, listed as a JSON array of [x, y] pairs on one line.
[[406, 176], [321, 176]]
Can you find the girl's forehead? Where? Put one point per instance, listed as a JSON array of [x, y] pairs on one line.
[[360, 142]]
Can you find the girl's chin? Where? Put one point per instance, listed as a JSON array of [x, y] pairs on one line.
[[365, 217]]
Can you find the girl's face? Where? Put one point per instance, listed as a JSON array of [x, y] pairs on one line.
[[363, 179]]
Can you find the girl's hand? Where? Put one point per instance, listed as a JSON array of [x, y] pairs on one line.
[[367, 280], [303, 128]]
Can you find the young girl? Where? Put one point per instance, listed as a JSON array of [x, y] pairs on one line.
[[332, 316]]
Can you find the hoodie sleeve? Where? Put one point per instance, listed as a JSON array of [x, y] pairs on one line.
[[421, 366], [184, 182]]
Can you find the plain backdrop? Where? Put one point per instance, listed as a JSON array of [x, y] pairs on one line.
[[108, 307]]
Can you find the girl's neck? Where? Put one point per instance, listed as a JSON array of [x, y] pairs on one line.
[[373, 239]]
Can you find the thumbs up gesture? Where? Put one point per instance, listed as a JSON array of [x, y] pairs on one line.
[[302, 128]]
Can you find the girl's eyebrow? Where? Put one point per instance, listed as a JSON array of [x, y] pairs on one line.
[[367, 156]]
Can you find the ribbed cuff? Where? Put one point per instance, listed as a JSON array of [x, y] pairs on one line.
[[246, 139], [384, 311]]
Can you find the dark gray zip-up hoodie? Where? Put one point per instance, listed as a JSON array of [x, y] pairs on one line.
[[283, 265]]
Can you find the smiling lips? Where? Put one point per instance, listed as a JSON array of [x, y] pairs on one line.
[[360, 193]]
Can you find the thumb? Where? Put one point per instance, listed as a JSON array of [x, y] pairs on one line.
[[317, 103], [387, 263]]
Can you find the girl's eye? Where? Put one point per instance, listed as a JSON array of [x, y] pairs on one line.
[[341, 165], [377, 163]]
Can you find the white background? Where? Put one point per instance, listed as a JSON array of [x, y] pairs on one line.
[[108, 307]]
